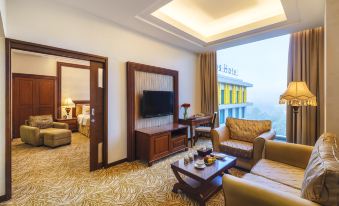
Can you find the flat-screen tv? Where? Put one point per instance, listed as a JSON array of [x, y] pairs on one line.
[[157, 103]]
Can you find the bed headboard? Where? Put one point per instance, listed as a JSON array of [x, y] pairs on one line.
[[78, 106]]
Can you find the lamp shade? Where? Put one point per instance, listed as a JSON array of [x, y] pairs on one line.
[[298, 94], [68, 102]]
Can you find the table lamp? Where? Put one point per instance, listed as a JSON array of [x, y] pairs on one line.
[[296, 95], [68, 104]]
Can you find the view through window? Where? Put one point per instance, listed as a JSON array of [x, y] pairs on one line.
[[251, 78]]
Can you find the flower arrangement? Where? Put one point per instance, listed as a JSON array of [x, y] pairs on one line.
[[185, 106]]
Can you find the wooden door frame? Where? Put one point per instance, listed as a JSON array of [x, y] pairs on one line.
[[33, 47], [59, 73]]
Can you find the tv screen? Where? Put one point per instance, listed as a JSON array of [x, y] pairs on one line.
[[157, 103]]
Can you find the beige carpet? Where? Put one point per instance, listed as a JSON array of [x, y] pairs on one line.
[[44, 176]]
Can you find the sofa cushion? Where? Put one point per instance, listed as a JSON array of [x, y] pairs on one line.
[[279, 172], [41, 121], [271, 184], [321, 183], [247, 130], [237, 148]]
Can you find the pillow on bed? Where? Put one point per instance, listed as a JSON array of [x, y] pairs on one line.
[[86, 109]]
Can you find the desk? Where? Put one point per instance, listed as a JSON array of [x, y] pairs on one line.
[[193, 122]]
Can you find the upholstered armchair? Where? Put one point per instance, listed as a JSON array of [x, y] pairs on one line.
[[289, 175], [243, 139], [36, 127]]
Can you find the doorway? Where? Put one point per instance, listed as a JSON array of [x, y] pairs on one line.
[[98, 100]]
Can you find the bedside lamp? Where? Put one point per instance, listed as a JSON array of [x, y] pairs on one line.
[[297, 95], [68, 103]]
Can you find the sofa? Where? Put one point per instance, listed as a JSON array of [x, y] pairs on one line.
[[41, 130], [243, 139], [289, 175]]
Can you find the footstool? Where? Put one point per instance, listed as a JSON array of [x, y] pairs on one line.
[[57, 137]]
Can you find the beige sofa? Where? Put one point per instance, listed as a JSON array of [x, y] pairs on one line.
[[242, 138], [41, 130], [289, 175]]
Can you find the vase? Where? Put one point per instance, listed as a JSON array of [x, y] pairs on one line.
[[185, 113]]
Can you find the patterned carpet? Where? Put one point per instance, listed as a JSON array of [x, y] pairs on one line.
[[44, 176]]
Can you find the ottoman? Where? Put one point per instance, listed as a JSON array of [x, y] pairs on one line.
[[57, 137]]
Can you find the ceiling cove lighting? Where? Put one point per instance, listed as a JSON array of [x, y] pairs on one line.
[[210, 20]]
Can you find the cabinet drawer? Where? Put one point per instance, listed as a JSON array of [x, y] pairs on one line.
[[178, 142]]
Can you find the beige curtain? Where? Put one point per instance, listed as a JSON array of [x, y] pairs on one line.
[[209, 83], [306, 63]]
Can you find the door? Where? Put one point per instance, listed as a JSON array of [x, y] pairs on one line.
[[32, 95], [45, 97], [97, 115]]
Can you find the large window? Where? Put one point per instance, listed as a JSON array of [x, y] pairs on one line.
[[258, 74]]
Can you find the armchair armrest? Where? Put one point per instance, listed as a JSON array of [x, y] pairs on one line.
[[218, 135], [259, 143], [60, 125], [270, 135], [241, 192], [292, 154], [30, 135]]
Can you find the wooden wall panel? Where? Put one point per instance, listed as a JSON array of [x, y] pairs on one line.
[[32, 95], [154, 82], [132, 69]]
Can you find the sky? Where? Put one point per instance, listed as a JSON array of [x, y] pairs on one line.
[[262, 63]]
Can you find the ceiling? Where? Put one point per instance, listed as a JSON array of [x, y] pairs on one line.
[[204, 25], [215, 20]]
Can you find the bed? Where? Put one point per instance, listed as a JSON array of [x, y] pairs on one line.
[[82, 112]]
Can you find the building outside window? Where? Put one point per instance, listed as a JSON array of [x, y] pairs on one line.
[[230, 113], [222, 96], [253, 76], [237, 112], [231, 93], [222, 116], [238, 96], [243, 96]]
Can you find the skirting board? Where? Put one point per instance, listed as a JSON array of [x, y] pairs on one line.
[[4, 198]]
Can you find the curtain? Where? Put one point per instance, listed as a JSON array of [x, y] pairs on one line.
[[306, 63], [209, 83]]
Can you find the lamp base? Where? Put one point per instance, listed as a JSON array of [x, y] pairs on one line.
[[68, 110], [295, 123]]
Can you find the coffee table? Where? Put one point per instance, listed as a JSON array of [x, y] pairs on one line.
[[201, 184]]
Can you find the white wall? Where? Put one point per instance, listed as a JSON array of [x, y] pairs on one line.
[[39, 64], [75, 83], [3, 16], [31, 64], [45, 22], [332, 66]]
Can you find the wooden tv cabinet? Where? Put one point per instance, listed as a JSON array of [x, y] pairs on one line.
[[155, 143]]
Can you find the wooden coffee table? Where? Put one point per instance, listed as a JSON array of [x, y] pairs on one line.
[[201, 184]]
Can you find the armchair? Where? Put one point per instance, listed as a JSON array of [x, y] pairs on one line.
[[289, 174], [36, 127], [244, 139]]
